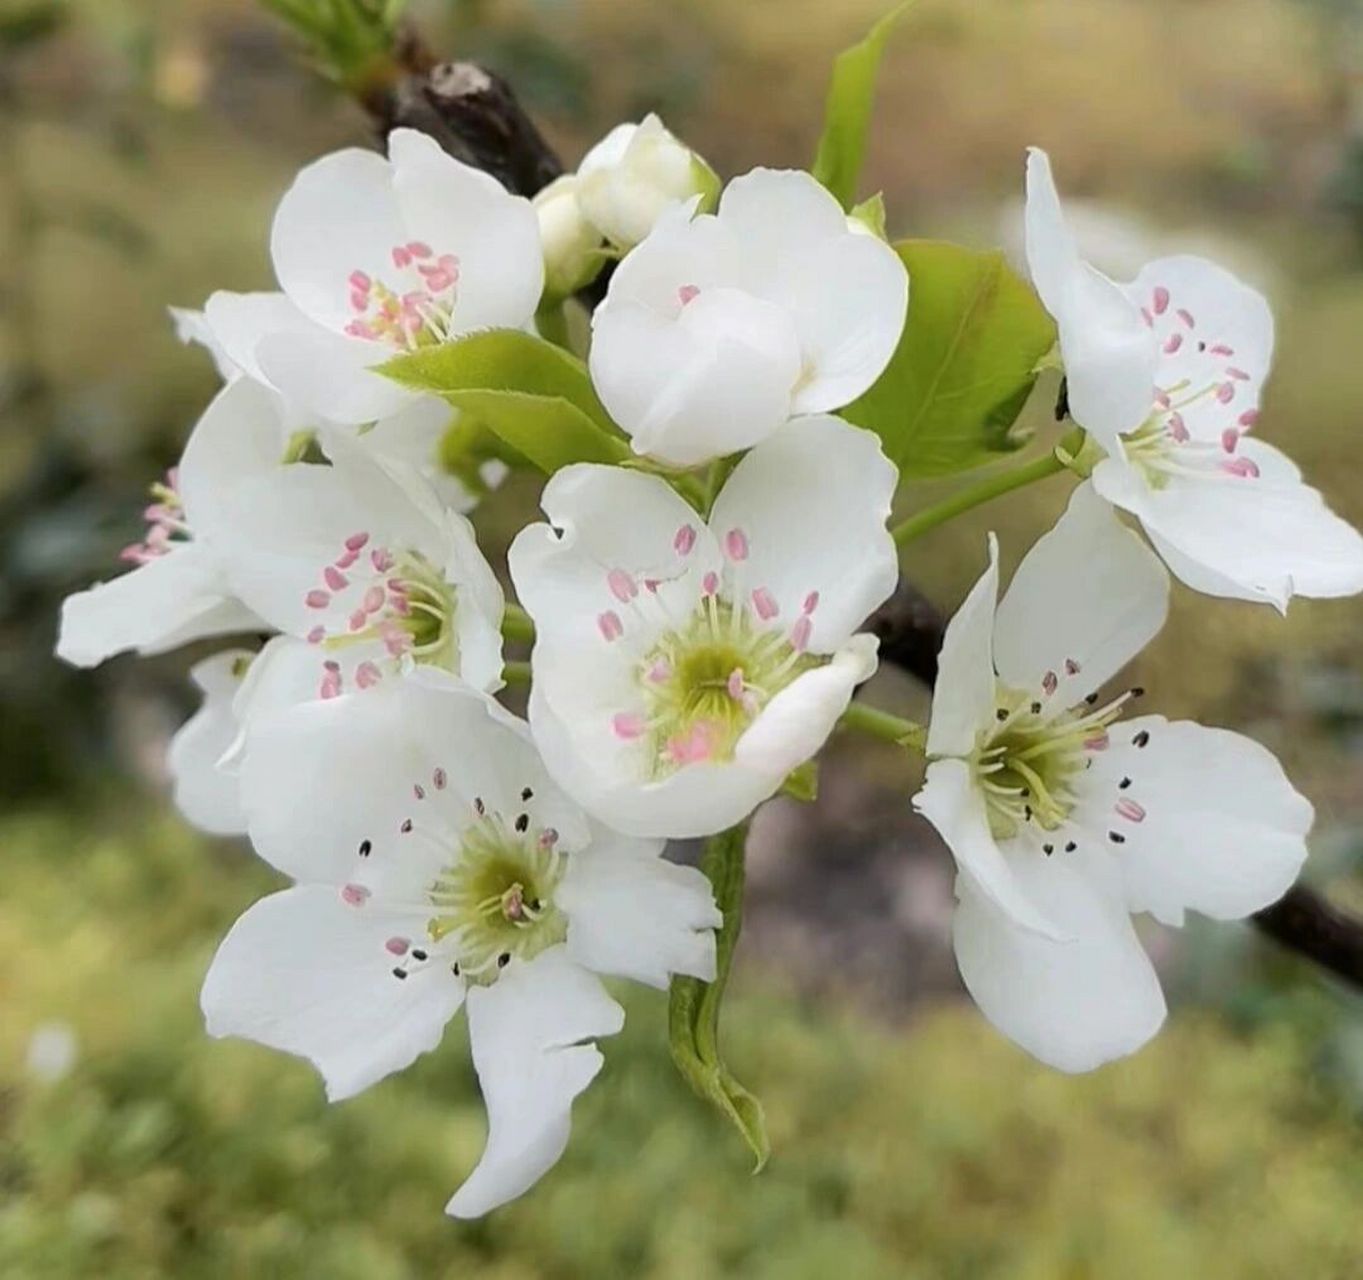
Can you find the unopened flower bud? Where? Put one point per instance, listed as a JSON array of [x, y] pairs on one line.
[[634, 174], [572, 245]]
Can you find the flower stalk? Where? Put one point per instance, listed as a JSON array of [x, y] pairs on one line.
[[995, 486]]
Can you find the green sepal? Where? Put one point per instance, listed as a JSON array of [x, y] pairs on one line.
[[802, 783], [871, 214]]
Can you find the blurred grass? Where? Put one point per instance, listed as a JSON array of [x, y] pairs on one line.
[[936, 1151]]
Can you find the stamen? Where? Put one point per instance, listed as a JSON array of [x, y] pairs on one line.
[[1130, 810]]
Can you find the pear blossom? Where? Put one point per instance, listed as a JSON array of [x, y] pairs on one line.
[[178, 589], [1165, 373], [365, 573], [682, 668], [376, 257], [436, 865], [720, 327], [634, 175], [205, 793], [1064, 818]]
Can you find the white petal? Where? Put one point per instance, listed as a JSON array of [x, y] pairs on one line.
[[611, 520], [846, 293], [302, 972], [339, 216], [586, 761], [1109, 353], [169, 601], [795, 724], [812, 502], [192, 326], [239, 322], [412, 437], [239, 438], [361, 759], [461, 210], [849, 305], [1088, 595], [1263, 539], [781, 218], [1221, 830], [632, 914], [528, 1032], [1210, 330], [208, 796], [715, 378], [963, 695], [331, 375], [1074, 1004], [952, 802]]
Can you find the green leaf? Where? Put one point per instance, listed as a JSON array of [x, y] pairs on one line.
[[847, 110], [965, 364], [536, 398], [693, 1011]]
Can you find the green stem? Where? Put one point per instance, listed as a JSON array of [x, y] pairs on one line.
[[694, 1005], [516, 672], [517, 624], [985, 490], [881, 724]]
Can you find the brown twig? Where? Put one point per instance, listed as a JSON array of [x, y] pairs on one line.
[[475, 116]]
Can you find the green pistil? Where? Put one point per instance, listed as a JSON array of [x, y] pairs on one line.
[[496, 900], [706, 682], [1027, 765]]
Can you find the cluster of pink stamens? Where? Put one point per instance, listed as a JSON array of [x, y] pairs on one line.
[[406, 317], [361, 582], [1178, 326], [716, 662], [165, 519]]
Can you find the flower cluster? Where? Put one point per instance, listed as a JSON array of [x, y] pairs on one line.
[[698, 607]]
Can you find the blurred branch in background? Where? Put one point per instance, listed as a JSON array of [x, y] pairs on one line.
[[475, 116]]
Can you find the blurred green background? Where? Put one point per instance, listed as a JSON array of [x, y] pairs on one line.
[[143, 144]]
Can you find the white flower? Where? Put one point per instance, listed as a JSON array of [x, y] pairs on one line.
[[573, 247], [413, 434], [1165, 373], [634, 175], [205, 793], [1064, 819], [376, 257], [719, 328], [179, 590], [365, 572], [435, 861], [681, 670]]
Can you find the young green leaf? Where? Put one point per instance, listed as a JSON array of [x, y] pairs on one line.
[[847, 111], [693, 1011], [536, 398], [965, 364]]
